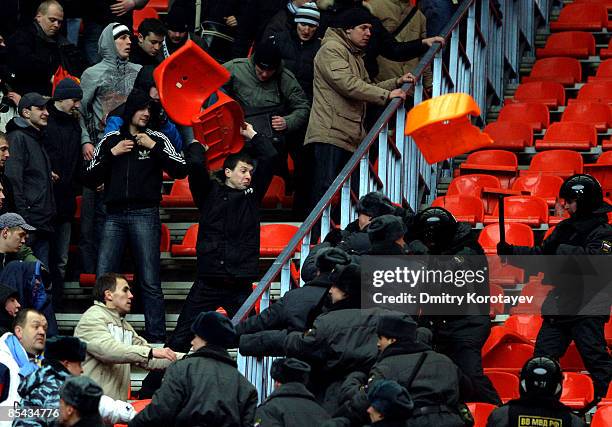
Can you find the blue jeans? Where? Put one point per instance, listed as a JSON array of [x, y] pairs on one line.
[[60, 246], [93, 214], [141, 229], [89, 41], [73, 26]]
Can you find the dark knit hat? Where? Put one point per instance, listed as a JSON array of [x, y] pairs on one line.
[[375, 204], [328, 258], [399, 327], [386, 228], [347, 278], [67, 89], [290, 370], [354, 16], [308, 14], [83, 393], [267, 54], [390, 399], [137, 100], [215, 329], [65, 348], [177, 20]]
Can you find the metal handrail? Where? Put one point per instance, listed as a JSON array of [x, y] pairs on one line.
[[346, 172]]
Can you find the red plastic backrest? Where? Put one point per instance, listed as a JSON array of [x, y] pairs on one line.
[[505, 383], [141, 15], [577, 386], [596, 91], [540, 90], [571, 39], [587, 112], [605, 158], [604, 69], [472, 185], [276, 234], [191, 236], [555, 160], [571, 131], [493, 157], [525, 206], [539, 185], [584, 12], [510, 131], [527, 325], [516, 234], [461, 205], [602, 417], [164, 245], [549, 68], [532, 113], [180, 187]]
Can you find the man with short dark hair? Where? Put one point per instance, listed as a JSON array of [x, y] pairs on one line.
[[112, 343], [29, 170], [151, 34], [21, 353], [228, 234]]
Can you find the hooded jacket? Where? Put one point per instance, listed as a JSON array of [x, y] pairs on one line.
[[105, 85], [29, 170], [342, 89], [6, 320]]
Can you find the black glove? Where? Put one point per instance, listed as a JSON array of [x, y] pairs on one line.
[[334, 236], [416, 247], [504, 248]]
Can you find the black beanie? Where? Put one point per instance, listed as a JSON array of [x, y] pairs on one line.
[[65, 348], [290, 370], [328, 258], [386, 228], [354, 16], [144, 80], [267, 54], [137, 100], [67, 89], [177, 20], [83, 393], [375, 204], [390, 399], [398, 327], [215, 329], [347, 278]]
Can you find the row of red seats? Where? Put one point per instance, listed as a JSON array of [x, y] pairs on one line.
[[566, 71], [552, 94]]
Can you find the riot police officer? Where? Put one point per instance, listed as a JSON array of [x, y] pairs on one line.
[[585, 232], [540, 389], [459, 331]]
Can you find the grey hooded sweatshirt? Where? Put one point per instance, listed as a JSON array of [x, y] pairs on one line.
[[105, 85]]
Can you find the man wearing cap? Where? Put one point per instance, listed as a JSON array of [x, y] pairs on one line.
[[264, 333], [205, 387], [386, 234], [106, 85], [13, 233], [79, 402], [62, 142], [354, 238], [290, 404], [37, 50], [271, 97], [21, 353], [129, 163], [283, 19], [30, 173]]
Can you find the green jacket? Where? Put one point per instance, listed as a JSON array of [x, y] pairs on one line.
[[245, 88]]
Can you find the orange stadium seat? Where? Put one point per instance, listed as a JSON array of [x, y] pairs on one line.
[[274, 238], [188, 245], [500, 163], [594, 113], [474, 185], [464, 208], [534, 114], [180, 195], [516, 234], [551, 94], [577, 390], [506, 385], [566, 71], [530, 210], [544, 186], [508, 135], [568, 135], [563, 163], [575, 44], [581, 17]]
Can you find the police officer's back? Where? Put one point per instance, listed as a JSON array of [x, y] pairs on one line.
[[538, 404]]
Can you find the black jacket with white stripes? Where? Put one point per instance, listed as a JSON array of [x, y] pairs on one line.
[[133, 180]]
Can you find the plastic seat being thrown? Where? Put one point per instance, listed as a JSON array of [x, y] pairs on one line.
[[442, 129]]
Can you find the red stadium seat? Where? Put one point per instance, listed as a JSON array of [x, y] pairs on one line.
[[164, 245], [500, 163], [606, 53], [538, 291], [86, 279], [581, 17], [514, 136], [577, 390], [594, 113], [138, 405], [506, 385], [274, 238], [480, 411], [496, 307], [188, 245], [602, 417], [141, 15], [159, 5], [77, 211], [504, 274], [276, 195], [563, 163], [544, 186], [527, 325], [530, 210], [516, 234], [551, 94], [474, 185], [571, 360], [568, 135], [180, 195], [508, 357], [598, 91], [608, 335], [604, 72], [602, 171], [464, 208], [575, 44], [566, 71], [535, 115], [606, 3]]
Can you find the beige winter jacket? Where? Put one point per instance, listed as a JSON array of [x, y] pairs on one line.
[[392, 13], [341, 91], [112, 346]]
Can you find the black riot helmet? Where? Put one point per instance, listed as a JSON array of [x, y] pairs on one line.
[[435, 227], [541, 377], [586, 190]]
